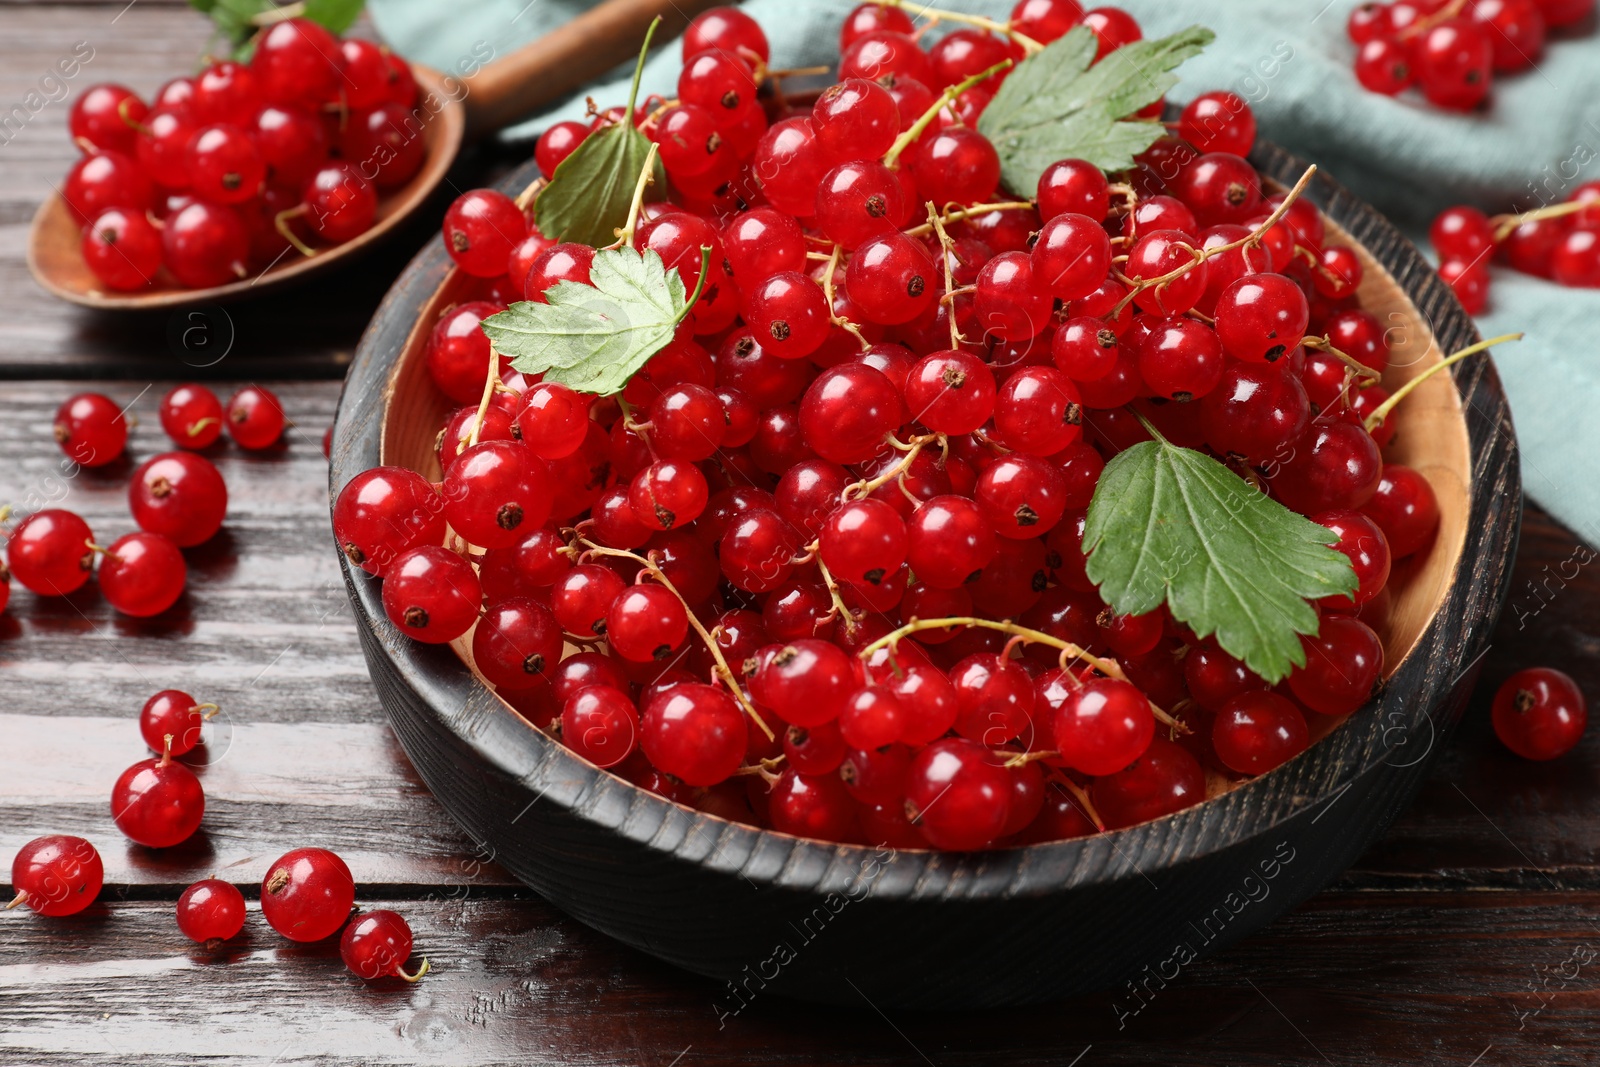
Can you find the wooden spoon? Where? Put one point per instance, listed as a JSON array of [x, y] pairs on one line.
[[536, 74]]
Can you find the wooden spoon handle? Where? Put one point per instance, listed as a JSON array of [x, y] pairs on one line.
[[549, 67]]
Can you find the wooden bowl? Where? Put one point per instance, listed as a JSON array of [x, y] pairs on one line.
[[55, 258], [764, 912]]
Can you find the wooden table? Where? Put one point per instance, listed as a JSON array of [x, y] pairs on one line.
[[1466, 936]]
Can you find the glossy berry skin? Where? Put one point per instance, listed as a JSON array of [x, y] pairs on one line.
[[106, 180], [1218, 121], [1164, 780], [376, 944], [1073, 185], [180, 496], [106, 116], [728, 29], [1038, 411], [1363, 542], [157, 802], [480, 229], [255, 418], [1158, 254], [297, 61], [431, 594], [1181, 359], [581, 598], [192, 416], [950, 392], [205, 245], [143, 574], [1334, 465], [1261, 317], [789, 313], [557, 143], [995, 698], [863, 542], [162, 148], [225, 167], [1384, 65], [646, 623], [847, 412], [1214, 677], [459, 352], [1112, 27], [1011, 302], [892, 279], [49, 552], [57, 874], [1405, 508], [957, 165], [696, 733], [1071, 256], [600, 724], [761, 242], [949, 542], [172, 714], [1343, 663], [211, 911], [123, 249], [1021, 496], [1103, 726], [90, 429], [1453, 61], [855, 119], [1539, 713], [788, 164], [957, 795], [307, 894], [816, 806], [1257, 731], [517, 643], [382, 513], [342, 204], [805, 682], [857, 200], [496, 492]]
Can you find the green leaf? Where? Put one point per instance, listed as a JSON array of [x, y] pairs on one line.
[[1060, 104], [589, 196], [335, 16], [593, 337], [1171, 524]]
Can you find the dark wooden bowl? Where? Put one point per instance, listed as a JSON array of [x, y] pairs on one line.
[[768, 913]]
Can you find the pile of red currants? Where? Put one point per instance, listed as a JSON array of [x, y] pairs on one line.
[[1451, 49], [819, 566], [222, 174], [177, 499], [1560, 242]]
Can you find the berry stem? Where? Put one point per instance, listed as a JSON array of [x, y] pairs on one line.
[[638, 68], [970, 212], [280, 222], [860, 490], [207, 711], [841, 610], [646, 177], [912, 132], [699, 283], [1108, 667], [1360, 369], [1029, 45], [422, 969], [20, 898], [122, 113], [1504, 224], [1381, 412], [945, 246], [278, 14], [483, 404], [525, 198], [1057, 777], [723, 672], [827, 292]]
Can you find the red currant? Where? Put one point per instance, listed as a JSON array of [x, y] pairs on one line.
[[56, 875], [211, 911], [307, 894], [1539, 713]]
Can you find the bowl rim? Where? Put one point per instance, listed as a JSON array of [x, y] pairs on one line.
[[1358, 746]]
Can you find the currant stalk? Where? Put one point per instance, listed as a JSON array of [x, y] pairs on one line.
[[909, 136], [1029, 45], [958, 214], [945, 245], [1381, 412]]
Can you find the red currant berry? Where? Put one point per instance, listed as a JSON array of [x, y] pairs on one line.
[[1384, 66], [871, 18], [949, 542], [789, 313], [495, 492], [857, 200], [696, 733], [1405, 508], [1166, 779], [727, 29], [552, 421], [848, 411], [1072, 256], [384, 512], [1218, 121], [886, 57], [205, 245], [864, 542], [342, 204], [172, 717], [143, 574], [557, 143], [106, 116], [600, 724], [377, 944], [158, 803], [1257, 731], [789, 164], [90, 429], [1453, 61], [431, 594], [805, 682], [855, 119], [162, 147], [225, 167], [1073, 185], [123, 249], [517, 643], [1181, 359], [1167, 262], [211, 911], [1333, 465], [180, 496], [192, 416], [1103, 726], [307, 894], [384, 144], [1539, 713], [1038, 411], [1112, 27], [56, 875], [958, 795], [957, 165], [1343, 662], [1256, 412], [255, 418], [298, 62], [49, 552], [103, 181], [1363, 542]]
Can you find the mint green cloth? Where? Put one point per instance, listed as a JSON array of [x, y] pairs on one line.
[[1292, 61]]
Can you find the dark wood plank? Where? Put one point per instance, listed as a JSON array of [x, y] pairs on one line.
[[1474, 978]]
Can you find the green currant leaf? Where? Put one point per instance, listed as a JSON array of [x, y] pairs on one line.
[[1061, 104], [335, 16], [1172, 524], [593, 337], [589, 196]]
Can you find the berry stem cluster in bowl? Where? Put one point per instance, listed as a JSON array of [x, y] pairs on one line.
[[868, 468], [224, 174]]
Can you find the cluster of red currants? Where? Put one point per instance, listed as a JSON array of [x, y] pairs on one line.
[[177, 499], [1560, 242], [222, 173], [307, 895], [1451, 49], [851, 493]]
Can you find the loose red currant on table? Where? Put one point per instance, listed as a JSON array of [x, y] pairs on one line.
[[1384, 66], [56, 875], [1453, 60], [211, 911], [157, 802], [91, 429], [50, 552], [255, 418], [172, 721], [377, 944], [180, 496], [1539, 713], [143, 574], [123, 249], [192, 416], [431, 594], [307, 894]]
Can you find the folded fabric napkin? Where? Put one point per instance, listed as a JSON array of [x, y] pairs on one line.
[[1538, 138]]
